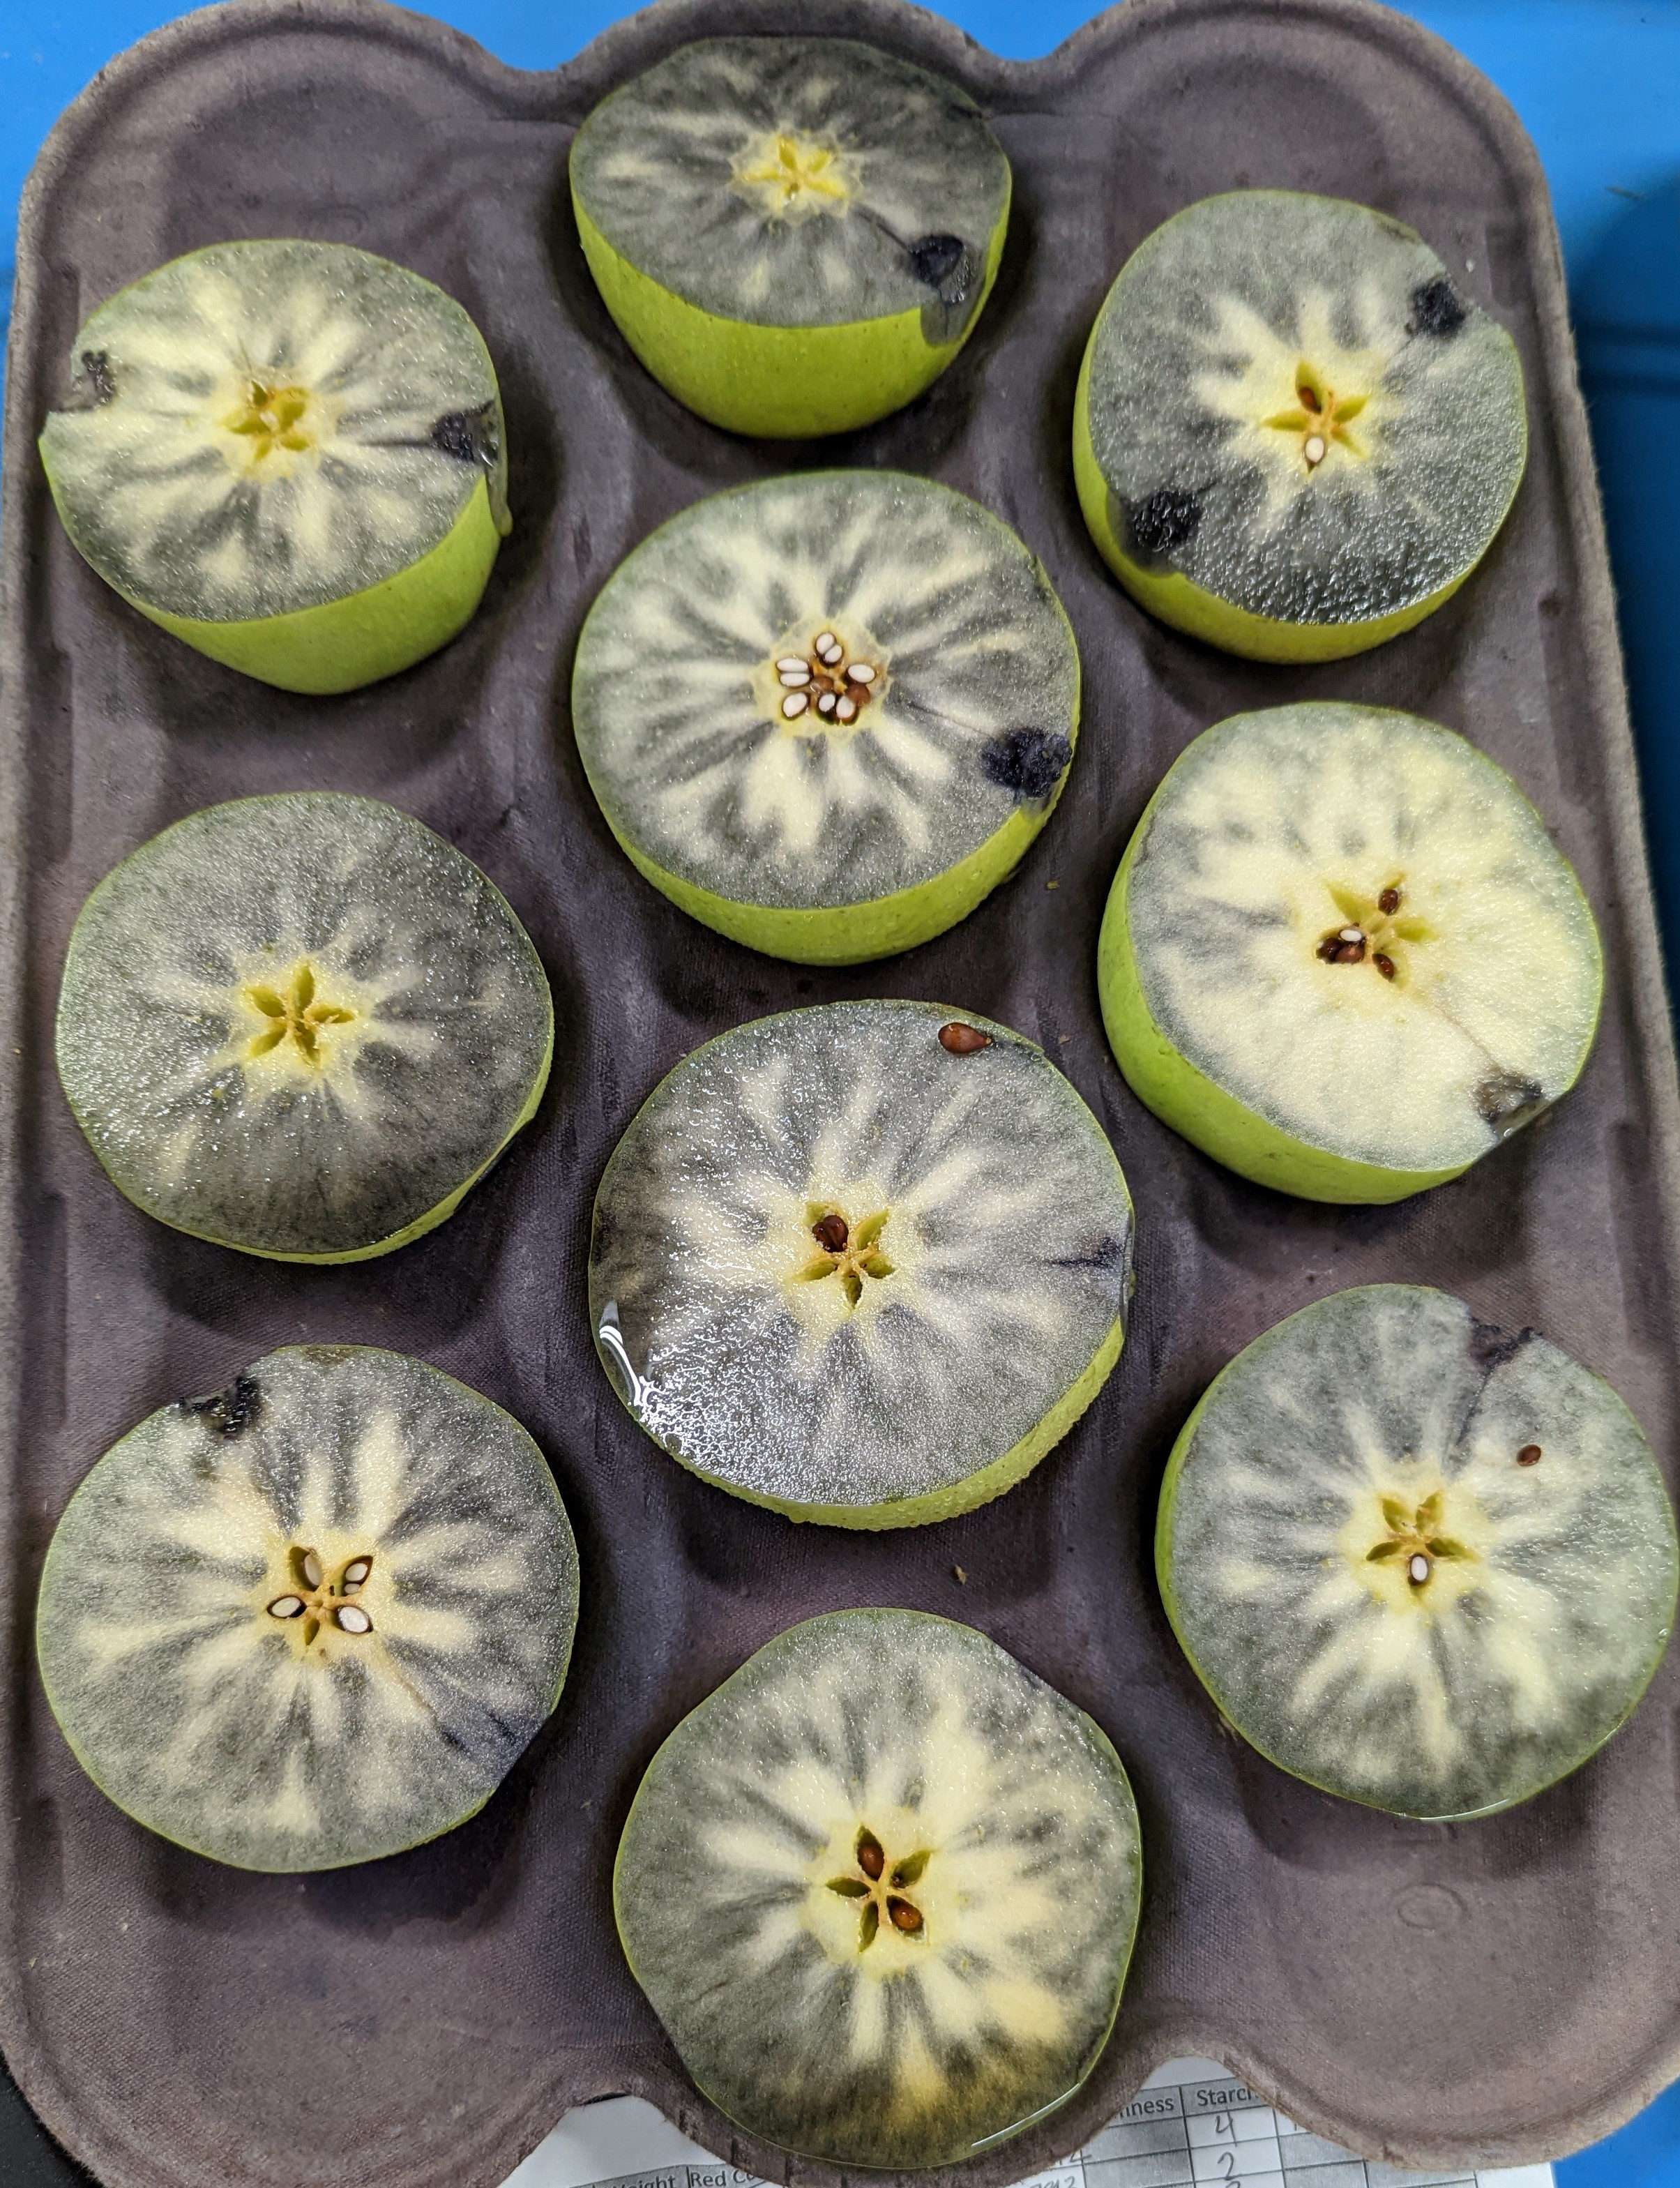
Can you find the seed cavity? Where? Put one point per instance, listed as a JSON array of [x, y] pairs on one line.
[[1529, 1455], [322, 1598], [297, 1014], [1319, 417], [792, 175], [884, 1886], [851, 1251], [839, 690], [1371, 929], [270, 417], [960, 1040], [1414, 1536]]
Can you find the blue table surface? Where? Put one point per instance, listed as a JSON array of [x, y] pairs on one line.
[[1598, 84]]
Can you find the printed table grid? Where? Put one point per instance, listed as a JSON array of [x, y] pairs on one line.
[[1185, 2128]]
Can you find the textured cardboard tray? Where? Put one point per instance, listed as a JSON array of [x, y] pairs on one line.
[[1428, 1994]]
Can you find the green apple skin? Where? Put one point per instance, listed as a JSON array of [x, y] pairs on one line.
[[856, 934], [1163, 1522], [418, 1229], [1174, 601], [1204, 1113], [1012, 1466], [342, 644], [879, 926], [774, 383], [421, 1224]]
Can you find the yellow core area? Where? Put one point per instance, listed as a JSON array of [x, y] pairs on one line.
[[873, 1897], [825, 678], [1306, 404], [270, 426], [792, 177], [1416, 1539], [1319, 418], [1372, 933], [844, 1250], [323, 1600], [296, 1018]]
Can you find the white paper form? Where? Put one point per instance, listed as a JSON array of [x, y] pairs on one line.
[[1191, 2123]]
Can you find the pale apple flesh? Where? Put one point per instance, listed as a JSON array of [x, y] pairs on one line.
[[1342, 955], [1418, 1563], [1295, 434], [864, 1264], [882, 1888], [311, 1618], [826, 714], [300, 1025], [795, 235], [290, 455]]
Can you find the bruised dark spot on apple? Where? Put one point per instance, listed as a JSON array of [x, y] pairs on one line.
[[471, 437], [1029, 763], [228, 1412], [1168, 518], [943, 263], [1489, 1347], [1507, 1100], [1437, 309], [95, 382]]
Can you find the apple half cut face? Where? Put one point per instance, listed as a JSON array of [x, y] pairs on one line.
[[827, 714], [311, 1618], [290, 455], [795, 235], [302, 1025], [864, 1264], [1342, 955], [1418, 1562], [1295, 434], [882, 1887]]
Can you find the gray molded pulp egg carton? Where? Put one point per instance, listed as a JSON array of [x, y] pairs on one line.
[[1503, 1990]]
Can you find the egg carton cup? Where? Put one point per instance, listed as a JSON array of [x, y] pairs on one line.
[[1428, 1994]]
